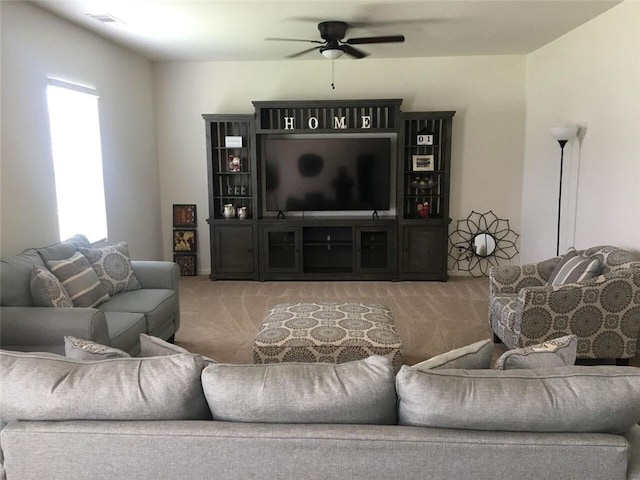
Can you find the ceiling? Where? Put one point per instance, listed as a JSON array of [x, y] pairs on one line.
[[217, 30]]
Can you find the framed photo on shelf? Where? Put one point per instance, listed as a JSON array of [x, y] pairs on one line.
[[184, 216], [232, 141], [186, 263], [423, 163], [184, 241]]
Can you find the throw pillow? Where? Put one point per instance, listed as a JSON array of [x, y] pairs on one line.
[[566, 399], [47, 291], [81, 349], [476, 355], [574, 268], [358, 392], [39, 387], [113, 267], [558, 352], [80, 280], [151, 346]]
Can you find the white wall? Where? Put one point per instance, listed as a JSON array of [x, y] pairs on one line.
[[488, 133], [589, 77], [36, 45]]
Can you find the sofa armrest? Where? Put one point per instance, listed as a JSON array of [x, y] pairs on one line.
[[156, 274], [40, 326], [633, 468], [511, 278]]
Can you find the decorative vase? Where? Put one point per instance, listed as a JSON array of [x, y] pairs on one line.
[[242, 213], [229, 211]]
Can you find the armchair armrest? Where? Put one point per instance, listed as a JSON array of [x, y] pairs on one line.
[[511, 278], [39, 326], [156, 274]]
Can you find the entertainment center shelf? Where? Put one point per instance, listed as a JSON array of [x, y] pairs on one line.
[[308, 156]]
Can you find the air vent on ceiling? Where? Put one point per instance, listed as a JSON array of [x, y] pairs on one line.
[[105, 18]]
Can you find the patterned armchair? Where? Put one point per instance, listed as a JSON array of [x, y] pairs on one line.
[[604, 312]]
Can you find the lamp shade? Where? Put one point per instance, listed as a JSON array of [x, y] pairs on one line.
[[564, 133], [332, 53]]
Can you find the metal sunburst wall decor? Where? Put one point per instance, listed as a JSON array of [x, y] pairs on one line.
[[481, 241]]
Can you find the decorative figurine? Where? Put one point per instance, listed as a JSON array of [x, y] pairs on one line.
[[229, 211], [422, 208], [234, 163]]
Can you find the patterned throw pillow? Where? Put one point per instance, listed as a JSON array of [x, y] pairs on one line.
[[47, 291], [559, 352], [80, 280], [81, 349], [113, 267], [574, 268]]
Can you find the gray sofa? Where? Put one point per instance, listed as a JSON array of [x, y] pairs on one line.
[[153, 308], [181, 416]]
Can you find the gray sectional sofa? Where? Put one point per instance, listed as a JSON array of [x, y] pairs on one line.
[[183, 416], [151, 307]]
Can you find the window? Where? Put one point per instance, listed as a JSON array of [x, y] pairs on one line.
[[77, 160]]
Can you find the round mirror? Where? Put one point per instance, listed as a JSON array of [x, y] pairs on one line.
[[483, 244]]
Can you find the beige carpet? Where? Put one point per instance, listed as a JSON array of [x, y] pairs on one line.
[[220, 319]]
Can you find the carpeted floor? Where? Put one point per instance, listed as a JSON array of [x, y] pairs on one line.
[[220, 319]]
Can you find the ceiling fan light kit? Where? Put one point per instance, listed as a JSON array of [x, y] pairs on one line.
[[332, 53]]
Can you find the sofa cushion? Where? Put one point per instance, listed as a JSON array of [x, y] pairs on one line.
[[64, 249], [565, 399], [81, 349], [15, 278], [36, 387], [355, 392], [558, 352], [476, 355], [125, 329], [574, 268], [47, 291], [79, 279], [157, 305], [112, 264]]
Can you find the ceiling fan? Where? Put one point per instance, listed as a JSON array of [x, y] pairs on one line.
[[333, 46]]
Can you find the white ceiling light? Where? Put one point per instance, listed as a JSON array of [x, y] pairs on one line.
[[332, 53]]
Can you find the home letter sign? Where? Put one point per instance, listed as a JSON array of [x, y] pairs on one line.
[[338, 122], [288, 123]]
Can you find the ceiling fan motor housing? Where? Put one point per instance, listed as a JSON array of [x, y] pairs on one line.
[[333, 30]]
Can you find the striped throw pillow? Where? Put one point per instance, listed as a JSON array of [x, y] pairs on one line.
[[79, 280], [574, 268]]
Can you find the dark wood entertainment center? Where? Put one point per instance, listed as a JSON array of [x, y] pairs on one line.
[[407, 242]]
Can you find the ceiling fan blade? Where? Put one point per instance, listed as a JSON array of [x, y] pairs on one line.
[[363, 40], [294, 55], [292, 40], [354, 52]]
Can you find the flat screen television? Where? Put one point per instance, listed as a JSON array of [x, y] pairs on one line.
[[327, 173]]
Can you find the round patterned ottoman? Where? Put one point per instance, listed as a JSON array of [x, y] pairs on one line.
[[327, 332]]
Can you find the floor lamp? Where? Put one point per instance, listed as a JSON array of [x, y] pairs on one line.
[[562, 135]]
